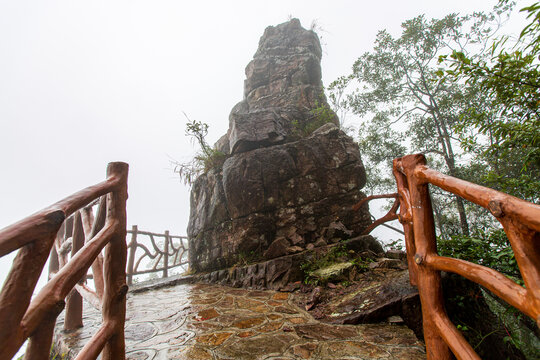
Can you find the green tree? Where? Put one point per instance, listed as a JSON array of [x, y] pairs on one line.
[[404, 105], [505, 134]]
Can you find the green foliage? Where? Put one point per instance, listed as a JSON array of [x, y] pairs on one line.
[[488, 248], [449, 89], [394, 245], [206, 159], [247, 257], [520, 330], [320, 115], [404, 107], [214, 159], [320, 261], [454, 90], [504, 132], [362, 263], [335, 255], [58, 356], [485, 321]]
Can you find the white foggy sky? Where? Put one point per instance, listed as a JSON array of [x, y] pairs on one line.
[[83, 83]]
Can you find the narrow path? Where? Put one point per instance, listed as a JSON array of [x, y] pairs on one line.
[[201, 322]]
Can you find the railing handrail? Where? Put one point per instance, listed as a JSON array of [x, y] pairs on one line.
[[130, 272], [498, 203], [143, 232], [177, 254], [157, 255], [521, 222], [23, 232], [21, 317]]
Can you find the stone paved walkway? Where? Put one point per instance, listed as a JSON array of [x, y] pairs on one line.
[[217, 322]]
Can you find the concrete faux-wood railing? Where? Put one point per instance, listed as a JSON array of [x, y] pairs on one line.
[[23, 318], [163, 257], [147, 254], [519, 219]]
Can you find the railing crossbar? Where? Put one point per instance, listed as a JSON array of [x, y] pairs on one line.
[[53, 231], [521, 222]]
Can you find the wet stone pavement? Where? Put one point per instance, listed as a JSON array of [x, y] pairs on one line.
[[200, 322]]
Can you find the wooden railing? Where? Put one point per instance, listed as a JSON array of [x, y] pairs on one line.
[[164, 256], [146, 255], [36, 236], [521, 222]]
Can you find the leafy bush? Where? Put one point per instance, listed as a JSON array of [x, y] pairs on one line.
[[248, 257], [206, 159], [488, 248], [319, 261], [320, 115]]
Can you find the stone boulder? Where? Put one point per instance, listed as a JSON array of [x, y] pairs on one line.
[[291, 175], [378, 298]]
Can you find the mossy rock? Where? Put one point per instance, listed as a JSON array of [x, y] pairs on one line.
[[335, 272]]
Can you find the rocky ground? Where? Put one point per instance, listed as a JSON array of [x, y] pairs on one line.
[[375, 291], [217, 322]]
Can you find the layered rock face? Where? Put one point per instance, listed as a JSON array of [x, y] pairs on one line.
[[291, 176], [282, 88]]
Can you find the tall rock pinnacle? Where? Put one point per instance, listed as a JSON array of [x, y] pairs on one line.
[[282, 88], [291, 175]]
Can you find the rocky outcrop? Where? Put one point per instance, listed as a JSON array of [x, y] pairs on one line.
[[291, 175], [376, 299], [282, 88], [279, 272]]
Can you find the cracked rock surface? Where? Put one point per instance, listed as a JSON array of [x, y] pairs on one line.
[[289, 172]]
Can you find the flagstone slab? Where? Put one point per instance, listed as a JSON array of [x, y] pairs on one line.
[[213, 322]]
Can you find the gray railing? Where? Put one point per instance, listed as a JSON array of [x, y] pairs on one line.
[[162, 251]]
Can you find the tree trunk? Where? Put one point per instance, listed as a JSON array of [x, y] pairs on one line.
[[462, 216], [459, 201], [444, 136], [438, 216]]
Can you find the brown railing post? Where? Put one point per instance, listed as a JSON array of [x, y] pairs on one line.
[[114, 297], [58, 241], [97, 265], [34, 238], [74, 304], [22, 279], [54, 265], [526, 245], [429, 280], [521, 222], [68, 228], [131, 256], [405, 218], [39, 345], [166, 255]]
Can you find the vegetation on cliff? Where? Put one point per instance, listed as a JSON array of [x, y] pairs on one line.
[[468, 98], [207, 157], [464, 96]]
